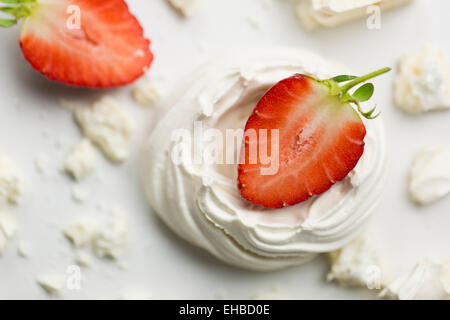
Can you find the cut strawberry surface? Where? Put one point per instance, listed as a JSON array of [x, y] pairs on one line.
[[320, 139], [106, 49]]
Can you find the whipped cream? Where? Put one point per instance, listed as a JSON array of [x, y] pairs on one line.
[[423, 81], [428, 280], [330, 13], [202, 203], [358, 264], [430, 175]]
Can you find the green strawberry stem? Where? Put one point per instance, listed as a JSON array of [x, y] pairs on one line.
[[18, 9], [344, 89], [362, 94]]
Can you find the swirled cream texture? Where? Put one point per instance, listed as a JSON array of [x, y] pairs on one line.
[[201, 202]]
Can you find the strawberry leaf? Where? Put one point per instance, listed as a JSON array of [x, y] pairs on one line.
[[5, 23], [17, 12], [343, 78], [17, 1], [364, 92]]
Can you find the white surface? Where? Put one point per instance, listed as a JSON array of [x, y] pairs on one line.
[[32, 123]]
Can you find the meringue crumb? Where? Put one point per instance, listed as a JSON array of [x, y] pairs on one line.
[[41, 163], [111, 237], [81, 160], [8, 228], [51, 283], [80, 194], [429, 179], [24, 249], [357, 264], [83, 258], [427, 280], [105, 238], [184, 7], [254, 21], [422, 82], [81, 233], [11, 183], [314, 14], [107, 125], [145, 93]]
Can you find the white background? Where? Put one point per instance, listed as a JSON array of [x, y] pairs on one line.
[[32, 122]]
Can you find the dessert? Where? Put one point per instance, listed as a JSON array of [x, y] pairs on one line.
[[200, 201], [330, 13], [428, 280], [81, 160], [429, 178], [95, 44], [423, 81]]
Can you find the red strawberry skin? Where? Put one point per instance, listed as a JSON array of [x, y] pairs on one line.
[[108, 50], [320, 141]]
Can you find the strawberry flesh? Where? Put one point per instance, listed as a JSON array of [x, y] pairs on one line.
[[108, 49], [320, 141]]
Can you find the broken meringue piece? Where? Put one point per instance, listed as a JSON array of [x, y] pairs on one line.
[[428, 280], [430, 175], [357, 264]]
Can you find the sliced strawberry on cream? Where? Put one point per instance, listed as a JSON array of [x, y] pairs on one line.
[[321, 138]]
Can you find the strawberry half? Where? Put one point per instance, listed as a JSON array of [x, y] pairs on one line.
[[105, 49], [320, 138]]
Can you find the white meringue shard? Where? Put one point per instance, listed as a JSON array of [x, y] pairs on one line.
[[51, 283], [358, 264], [8, 228], [145, 93], [423, 81], [107, 125], [428, 280], [11, 182], [430, 175], [111, 237], [106, 237], [184, 7], [81, 160], [330, 13]]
